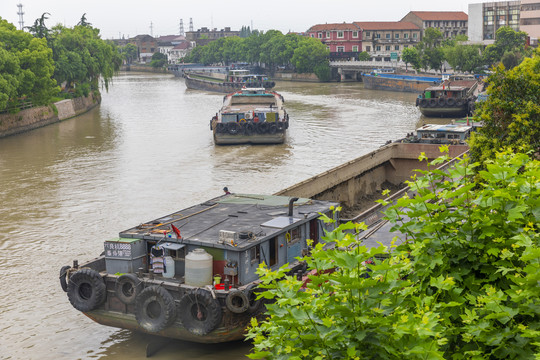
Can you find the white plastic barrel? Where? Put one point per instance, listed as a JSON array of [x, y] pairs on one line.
[[198, 268], [169, 267]]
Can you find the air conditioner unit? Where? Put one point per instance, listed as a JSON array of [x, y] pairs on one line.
[[227, 236]]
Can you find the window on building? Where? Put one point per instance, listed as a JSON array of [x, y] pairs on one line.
[[396, 47], [405, 36], [312, 35], [355, 48], [378, 47], [387, 48], [368, 34], [319, 35], [355, 34], [368, 48], [328, 34], [397, 36], [340, 49], [340, 34], [388, 36], [415, 36], [378, 36]]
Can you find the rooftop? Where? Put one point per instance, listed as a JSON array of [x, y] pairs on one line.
[[386, 25], [441, 15], [257, 217], [330, 27]]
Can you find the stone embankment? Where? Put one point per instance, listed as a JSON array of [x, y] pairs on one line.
[[39, 116]]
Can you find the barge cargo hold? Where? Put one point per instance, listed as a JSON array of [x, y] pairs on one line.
[[398, 82], [191, 275]]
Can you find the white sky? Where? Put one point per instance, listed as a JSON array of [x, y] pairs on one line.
[[130, 18]]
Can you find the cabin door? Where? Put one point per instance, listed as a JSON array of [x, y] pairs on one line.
[[314, 231]]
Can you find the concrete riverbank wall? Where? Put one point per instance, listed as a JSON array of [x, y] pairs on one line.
[[358, 179], [33, 118]]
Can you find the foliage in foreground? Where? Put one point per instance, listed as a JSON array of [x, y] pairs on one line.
[[463, 283], [511, 113]]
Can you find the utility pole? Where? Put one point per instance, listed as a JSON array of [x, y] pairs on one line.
[[151, 29], [190, 24], [182, 33], [20, 13]]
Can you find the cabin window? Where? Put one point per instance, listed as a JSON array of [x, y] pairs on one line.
[[273, 243], [226, 118], [255, 254]]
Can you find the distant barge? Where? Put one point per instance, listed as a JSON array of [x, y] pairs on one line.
[[398, 82]]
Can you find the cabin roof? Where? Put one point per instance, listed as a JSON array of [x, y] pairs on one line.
[[252, 217], [450, 128]]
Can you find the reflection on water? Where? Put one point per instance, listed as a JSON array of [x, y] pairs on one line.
[[145, 152]]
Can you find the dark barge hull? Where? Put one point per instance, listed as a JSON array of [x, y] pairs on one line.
[[220, 87], [456, 111], [403, 84]]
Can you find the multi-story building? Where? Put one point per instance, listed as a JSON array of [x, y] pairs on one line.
[[486, 18], [167, 43], [146, 47], [449, 23], [530, 19], [204, 35], [382, 38], [343, 40]]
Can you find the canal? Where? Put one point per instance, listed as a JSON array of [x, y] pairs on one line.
[[147, 151]]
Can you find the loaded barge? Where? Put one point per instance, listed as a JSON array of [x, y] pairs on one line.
[[228, 82], [191, 275]]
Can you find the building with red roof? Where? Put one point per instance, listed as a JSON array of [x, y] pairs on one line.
[[449, 23], [343, 39]]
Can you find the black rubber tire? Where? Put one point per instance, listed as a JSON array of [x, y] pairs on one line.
[[155, 309], [281, 126], [201, 313], [237, 301], [86, 290], [423, 102], [254, 303], [441, 102], [63, 278], [233, 128], [220, 128], [262, 128], [127, 288], [432, 102], [272, 129], [249, 128], [450, 101]]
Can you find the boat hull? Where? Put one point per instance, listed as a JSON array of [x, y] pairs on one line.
[[216, 86], [444, 111], [261, 139], [413, 84]]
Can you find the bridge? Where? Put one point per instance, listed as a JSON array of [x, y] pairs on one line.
[[351, 70]]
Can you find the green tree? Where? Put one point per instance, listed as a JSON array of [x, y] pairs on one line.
[[39, 29], [158, 60], [507, 42], [432, 37], [128, 52], [434, 58], [460, 281], [27, 66], [411, 56], [364, 56], [83, 58], [511, 113], [309, 54], [464, 57]]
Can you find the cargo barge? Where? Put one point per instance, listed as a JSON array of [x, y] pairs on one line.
[[398, 82]]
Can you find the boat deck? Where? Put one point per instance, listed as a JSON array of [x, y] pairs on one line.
[[259, 217]]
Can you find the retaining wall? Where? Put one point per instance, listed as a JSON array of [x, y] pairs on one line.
[[39, 116]]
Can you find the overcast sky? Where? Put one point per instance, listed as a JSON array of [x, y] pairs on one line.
[[129, 18]]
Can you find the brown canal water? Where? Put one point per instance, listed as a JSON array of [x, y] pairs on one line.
[[145, 152]]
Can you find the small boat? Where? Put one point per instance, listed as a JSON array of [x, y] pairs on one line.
[[228, 82], [250, 116], [454, 97], [455, 133], [191, 275]]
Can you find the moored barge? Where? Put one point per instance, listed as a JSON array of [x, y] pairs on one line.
[[191, 275]]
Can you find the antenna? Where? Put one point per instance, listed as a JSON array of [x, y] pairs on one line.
[[182, 33], [190, 24], [20, 13], [151, 29]]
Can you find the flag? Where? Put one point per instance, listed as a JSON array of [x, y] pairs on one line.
[[176, 231]]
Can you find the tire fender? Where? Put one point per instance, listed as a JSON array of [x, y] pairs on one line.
[[200, 313], [237, 301], [155, 309], [86, 290], [127, 288], [63, 277]]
